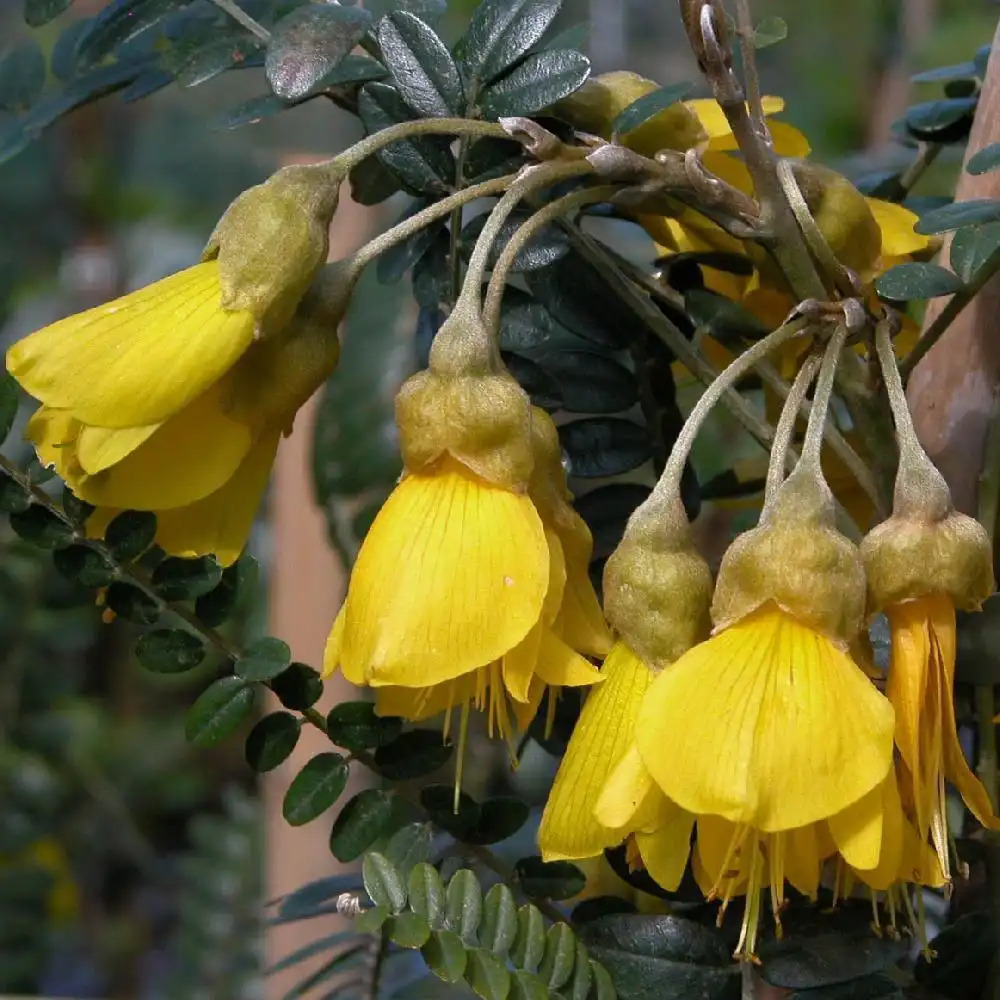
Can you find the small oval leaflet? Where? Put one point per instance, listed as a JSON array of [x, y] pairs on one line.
[[917, 280], [535, 83], [264, 659], [271, 740], [360, 823], [169, 650], [421, 66], [219, 710], [315, 788]]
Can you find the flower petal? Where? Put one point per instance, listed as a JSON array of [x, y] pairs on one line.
[[221, 522], [857, 830], [54, 434], [627, 794], [714, 121], [452, 575], [569, 828], [896, 223], [187, 458], [731, 728], [891, 861], [98, 448], [665, 851], [331, 651], [581, 621], [138, 359], [560, 666]]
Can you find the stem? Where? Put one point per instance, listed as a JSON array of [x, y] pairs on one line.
[[786, 425], [894, 385], [540, 175], [839, 444], [237, 13], [517, 242], [926, 155], [744, 21], [439, 209], [670, 481], [455, 226], [813, 444]]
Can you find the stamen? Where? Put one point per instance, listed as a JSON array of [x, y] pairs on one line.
[[876, 923], [774, 849], [890, 897], [550, 710], [746, 947], [463, 735]]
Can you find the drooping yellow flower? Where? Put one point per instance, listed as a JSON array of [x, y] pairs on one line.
[[767, 738], [164, 401], [173, 398], [489, 600]]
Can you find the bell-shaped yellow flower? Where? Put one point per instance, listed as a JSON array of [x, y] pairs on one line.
[[164, 401]]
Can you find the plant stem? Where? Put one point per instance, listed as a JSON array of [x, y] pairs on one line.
[[794, 402], [517, 242], [455, 227], [237, 13], [408, 227], [892, 378], [926, 155], [812, 446], [670, 482]]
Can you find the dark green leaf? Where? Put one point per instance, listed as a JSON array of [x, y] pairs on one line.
[[560, 956], [315, 788], [250, 112], [426, 892], [397, 260], [984, 160], [536, 382], [22, 76], [643, 977], [132, 604], [958, 214], [577, 296], [606, 510], [668, 937], [432, 275], [726, 321], [352, 69], [798, 962], [119, 21], [427, 10], [769, 31], [972, 247], [529, 943], [361, 822], [603, 988], [964, 955], [546, 246], [941, 74], [421, 66], [410, 845], [604, 446], [237, 582], [74, 508], [271, 740], [298, 687], [169, 650], [310, 42], [8, 403], [226, 49], [263, 660], [579, 987], [412, 755], [383, 882], [129, 534], [371, 182], [877, 987], [549, 880], [219, 711], [185, 579], [500, 32], [371, 921], [589, 382], [408, 930], [487, 975], [13, 498], [425, 165], [528, 986], [39, 12], [498, 819], [355, 726], [41, 527], [464, 905], [490, 157], [537, 82], [439, 801], [445, 955], [917, 280], [499, 924], [525, 324], [945, 120], [84, 565], [647, 106]]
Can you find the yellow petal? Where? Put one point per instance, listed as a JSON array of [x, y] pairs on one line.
[[221, 522], [98, 448], [331, 651], [519, 664], [857, 830], [187, 458], [665, 851], [891, 862], [138, 359], [560, 666], [54, 434], [896, 224], [452, 575], [602, 735], [627, 793], [721, 852], [803, 859], [419, 704], [581, 621], [713, 118], [730, 728], [788, 140]]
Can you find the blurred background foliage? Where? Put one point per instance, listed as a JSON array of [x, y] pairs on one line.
[[129, 861]]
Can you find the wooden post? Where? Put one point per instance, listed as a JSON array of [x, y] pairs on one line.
[[307, 587], [951, 391]]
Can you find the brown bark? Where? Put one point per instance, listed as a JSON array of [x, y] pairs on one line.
[[951, 391]]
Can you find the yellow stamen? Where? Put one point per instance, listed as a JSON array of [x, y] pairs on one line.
[[463, 735]]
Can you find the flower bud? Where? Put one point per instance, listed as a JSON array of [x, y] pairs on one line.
[[657, 588], [926, 547], [796, 558], [467, 405], [271, 240]]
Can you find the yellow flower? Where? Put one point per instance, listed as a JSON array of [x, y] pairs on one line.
[[162, 400]]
